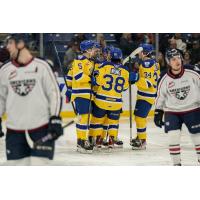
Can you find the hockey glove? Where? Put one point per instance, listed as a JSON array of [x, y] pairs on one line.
[[93, 81], [158, 118], [68, 94], [133, 77], [1, 132], [55, 127]]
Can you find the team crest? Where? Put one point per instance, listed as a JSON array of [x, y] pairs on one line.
[[180, 93], [23, 87]]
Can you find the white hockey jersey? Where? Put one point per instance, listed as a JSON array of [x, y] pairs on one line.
[[29, 94], [179, 93]]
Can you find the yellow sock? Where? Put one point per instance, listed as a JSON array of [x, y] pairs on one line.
[[113, 126], [96, 126], [141, 124], [81, 127]]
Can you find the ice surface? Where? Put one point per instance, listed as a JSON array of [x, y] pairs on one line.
[[156, 153]]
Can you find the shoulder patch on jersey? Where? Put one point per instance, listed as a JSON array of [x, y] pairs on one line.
[[148, 63], [81, 57]]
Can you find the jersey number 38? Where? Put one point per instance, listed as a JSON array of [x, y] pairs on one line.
[[112, 83]]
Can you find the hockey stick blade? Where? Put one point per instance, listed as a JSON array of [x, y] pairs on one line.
[[132, 55]]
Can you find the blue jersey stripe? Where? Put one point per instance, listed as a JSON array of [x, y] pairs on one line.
[[141, 130], [78, 76], [108, 98], [146, 94]]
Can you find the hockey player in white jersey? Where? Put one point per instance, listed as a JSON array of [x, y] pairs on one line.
[[30, 97], [178, 97]]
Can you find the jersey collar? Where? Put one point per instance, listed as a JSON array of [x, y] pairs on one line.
[[17, 64], [177, 75]]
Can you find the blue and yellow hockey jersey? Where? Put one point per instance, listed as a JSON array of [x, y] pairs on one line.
[[112, 80], [81, 78], [149, 72]]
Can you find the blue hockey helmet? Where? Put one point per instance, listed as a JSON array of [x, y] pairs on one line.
[[147, 48], [107, 49], [116, 54], [87, 44], [97, 45], [170, 53]]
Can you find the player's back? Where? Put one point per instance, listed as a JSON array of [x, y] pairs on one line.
[[149, 73], [112, 80]]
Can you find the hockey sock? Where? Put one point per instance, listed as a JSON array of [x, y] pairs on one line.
[[81, 127], [141, 124], [174, 146], [113, 126], [105, 128], [196, 141], [96, 126]]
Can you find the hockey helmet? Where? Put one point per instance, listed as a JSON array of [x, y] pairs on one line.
[[148, 49], [87, 44], [116, 54], [170, 53]]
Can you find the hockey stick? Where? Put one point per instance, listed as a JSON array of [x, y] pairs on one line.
[[132, 55], [130, 104], [128, 59], [49, 136], [61, 68]]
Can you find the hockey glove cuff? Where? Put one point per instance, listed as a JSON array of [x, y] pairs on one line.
[[158, 117], [55, 127]]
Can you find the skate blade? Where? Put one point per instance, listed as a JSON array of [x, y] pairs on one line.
[[138, 148], [83, 151], [118, 146]]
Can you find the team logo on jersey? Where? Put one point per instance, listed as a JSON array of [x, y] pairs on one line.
[[13, 74], [180, 93], [171, 84], [147, 64], [115, 71], [23, 87]]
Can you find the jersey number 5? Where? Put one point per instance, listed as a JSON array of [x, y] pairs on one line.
[[118, 83]]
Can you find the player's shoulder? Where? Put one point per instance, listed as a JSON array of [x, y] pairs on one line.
[[44, 64], [148, 63], [124, 67], [105, 63], [42, 61], [192, 68], [5, 65], [80, 58]]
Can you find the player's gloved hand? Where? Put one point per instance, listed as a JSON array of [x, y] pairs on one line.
[[68, 94], [1, 132], [55, 127], [158, 118], [133, 77]]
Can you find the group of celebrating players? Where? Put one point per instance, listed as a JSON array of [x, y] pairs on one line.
[[30, 96]]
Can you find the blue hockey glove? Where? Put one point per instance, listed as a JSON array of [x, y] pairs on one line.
[[133, 77]]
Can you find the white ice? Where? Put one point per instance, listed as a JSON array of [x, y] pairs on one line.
[[156, 153]]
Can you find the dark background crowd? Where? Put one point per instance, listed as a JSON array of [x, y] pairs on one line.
[[67, 44]]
